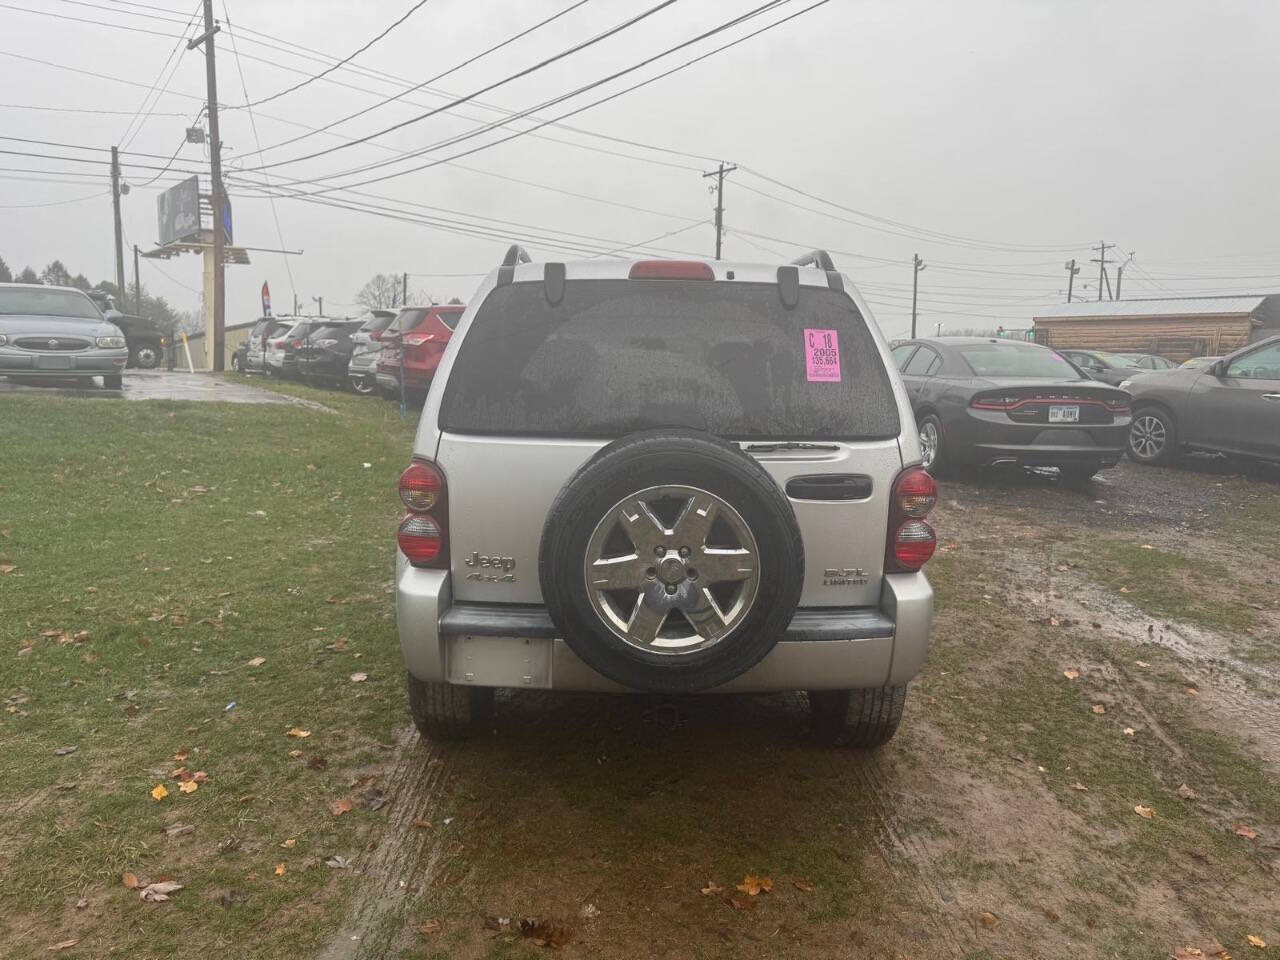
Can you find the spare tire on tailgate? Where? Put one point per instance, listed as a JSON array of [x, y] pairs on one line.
[[671, 561]]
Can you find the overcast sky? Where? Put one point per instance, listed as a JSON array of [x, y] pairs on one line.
[[1036, 128]]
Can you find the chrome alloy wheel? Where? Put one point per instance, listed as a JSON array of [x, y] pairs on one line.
[[1147, 437], [928, 444], [672, 569]]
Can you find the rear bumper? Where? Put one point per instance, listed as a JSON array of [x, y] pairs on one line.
[[517, 645], [989, 438], [413, 379], [1049, 455]]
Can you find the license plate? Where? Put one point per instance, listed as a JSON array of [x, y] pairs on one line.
[[53, 363], [1064, 414]]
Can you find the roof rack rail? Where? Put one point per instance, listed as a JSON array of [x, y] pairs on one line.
[[517, 254], [822, 260], [815, 258]]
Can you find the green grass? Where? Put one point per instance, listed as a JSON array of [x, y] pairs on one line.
[[185, 539]]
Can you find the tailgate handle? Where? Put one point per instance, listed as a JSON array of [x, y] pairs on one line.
[[831, 486]]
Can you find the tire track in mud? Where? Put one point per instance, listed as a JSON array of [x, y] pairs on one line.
[[404, 862]]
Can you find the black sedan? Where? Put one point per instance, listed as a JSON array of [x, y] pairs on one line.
[[325, 353], [1112, 368], [981, 401]]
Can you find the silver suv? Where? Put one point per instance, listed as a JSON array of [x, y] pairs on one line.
[[666, 476]]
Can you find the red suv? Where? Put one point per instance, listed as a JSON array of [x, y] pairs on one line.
[[421, 333]]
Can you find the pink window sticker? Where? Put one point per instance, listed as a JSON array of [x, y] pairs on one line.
[[822, 355]]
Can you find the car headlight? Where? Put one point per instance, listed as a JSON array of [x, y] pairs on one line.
[[108, 343], [1124, 384]]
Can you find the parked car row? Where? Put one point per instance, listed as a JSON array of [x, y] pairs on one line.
[[366, 354], [985, 401]]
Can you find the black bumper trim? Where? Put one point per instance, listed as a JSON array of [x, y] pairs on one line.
[[533, 621]]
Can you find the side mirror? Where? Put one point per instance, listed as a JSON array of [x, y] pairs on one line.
[[1218, 368]]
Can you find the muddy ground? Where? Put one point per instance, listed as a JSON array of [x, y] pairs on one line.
[[1100, 651]]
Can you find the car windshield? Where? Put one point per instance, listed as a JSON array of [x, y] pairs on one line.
[[1005, 360], [617, 356], [1115, 359], [16, 301]]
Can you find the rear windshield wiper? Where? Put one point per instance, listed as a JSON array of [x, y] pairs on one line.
[[788, 445]]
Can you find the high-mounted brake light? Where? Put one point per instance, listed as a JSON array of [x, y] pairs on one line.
[[671, 270], [423, 535], [911, 540]]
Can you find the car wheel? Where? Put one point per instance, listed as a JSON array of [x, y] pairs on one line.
[[671, 561], [236, 365], [1153, 438], [362, 386], [1078, 472], [933, 452], [445, 711], [857, 718], [148, 358], [113, 381]]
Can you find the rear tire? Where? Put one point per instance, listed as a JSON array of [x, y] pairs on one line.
[[857, 718], [933, 447], [446, 711], [236, 365], [113, 381], [362, 386], [1153, 436]]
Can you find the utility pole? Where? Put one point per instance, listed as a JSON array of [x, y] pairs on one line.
[[115, 203], [1119, 277], [719, 175], [1101, 261], [404, 293], [1072, 270], [137, 285], [215, 173], [917, 267], [320, 301]]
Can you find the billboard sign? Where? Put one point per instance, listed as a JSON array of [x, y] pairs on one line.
[[179, 211]]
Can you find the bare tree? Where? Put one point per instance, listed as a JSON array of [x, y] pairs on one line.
[[383, 292]]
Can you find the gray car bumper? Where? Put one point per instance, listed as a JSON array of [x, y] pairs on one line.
[[510, 645], [86, 363]]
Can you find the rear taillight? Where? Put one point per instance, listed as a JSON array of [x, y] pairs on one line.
[[992, 403], [424, 532], [671, 270], [1119, 405], [911, 539], [298, 344], [276, 343]]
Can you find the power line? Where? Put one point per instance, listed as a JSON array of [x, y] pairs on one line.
[[55, 203], [126, 138], [96, 23], [439, 76], [458, 101], [328, 70], [105, 113]]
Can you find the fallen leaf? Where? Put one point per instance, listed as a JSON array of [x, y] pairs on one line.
[[1193, 692], [1129, 731], [338, 863], [1142, 663], [375, 799], [1147, 546], [290, 843], [1054, 622], [1146, 813], [298, 732], [257, 661], [422, 824], [1186, 793], [1079, 786], [159, 792], [1071, 674], [339, 807], [804, 886], [129, 880], [199, 776], [82, 903], [180, 755], [742, 903], [179, 830], [359, 677], [1098, 708], [65, 943], [157, 892], [1241, 830], [988, 920], [279, 869], [295, 754], [229, 844], [8, 567], [752, 884], [188, 786], [711, 889], [429, 927], [1187, 953], [64, 751], [1256, 941]]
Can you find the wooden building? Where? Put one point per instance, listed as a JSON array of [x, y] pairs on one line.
[[1177, 328]]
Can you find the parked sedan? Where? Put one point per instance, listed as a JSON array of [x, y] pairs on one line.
[[1230, 406], [1147, 361], [366, 346], [1199, 363], [324, 356], [255, 351], [981, 401], [58, 332], [1110, 368], [282, 349], [421, 333]]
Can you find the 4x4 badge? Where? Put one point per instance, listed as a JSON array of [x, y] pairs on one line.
[[503, 564]]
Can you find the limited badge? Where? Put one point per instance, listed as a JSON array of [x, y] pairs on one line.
[[822, 355]]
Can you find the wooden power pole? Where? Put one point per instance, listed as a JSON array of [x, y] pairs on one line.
[[1072, 270], [115, 204], [917, 267], [719, 175]]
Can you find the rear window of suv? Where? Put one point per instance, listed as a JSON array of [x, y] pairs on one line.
[[616, 356]]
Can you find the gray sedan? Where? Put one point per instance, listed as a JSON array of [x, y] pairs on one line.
[[1231, 406], [58, 332]]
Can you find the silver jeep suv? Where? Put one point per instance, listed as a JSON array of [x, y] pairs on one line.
[[666, 476]]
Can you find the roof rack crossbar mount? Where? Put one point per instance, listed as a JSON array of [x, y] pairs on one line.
[[815, 258], [516, 254]]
